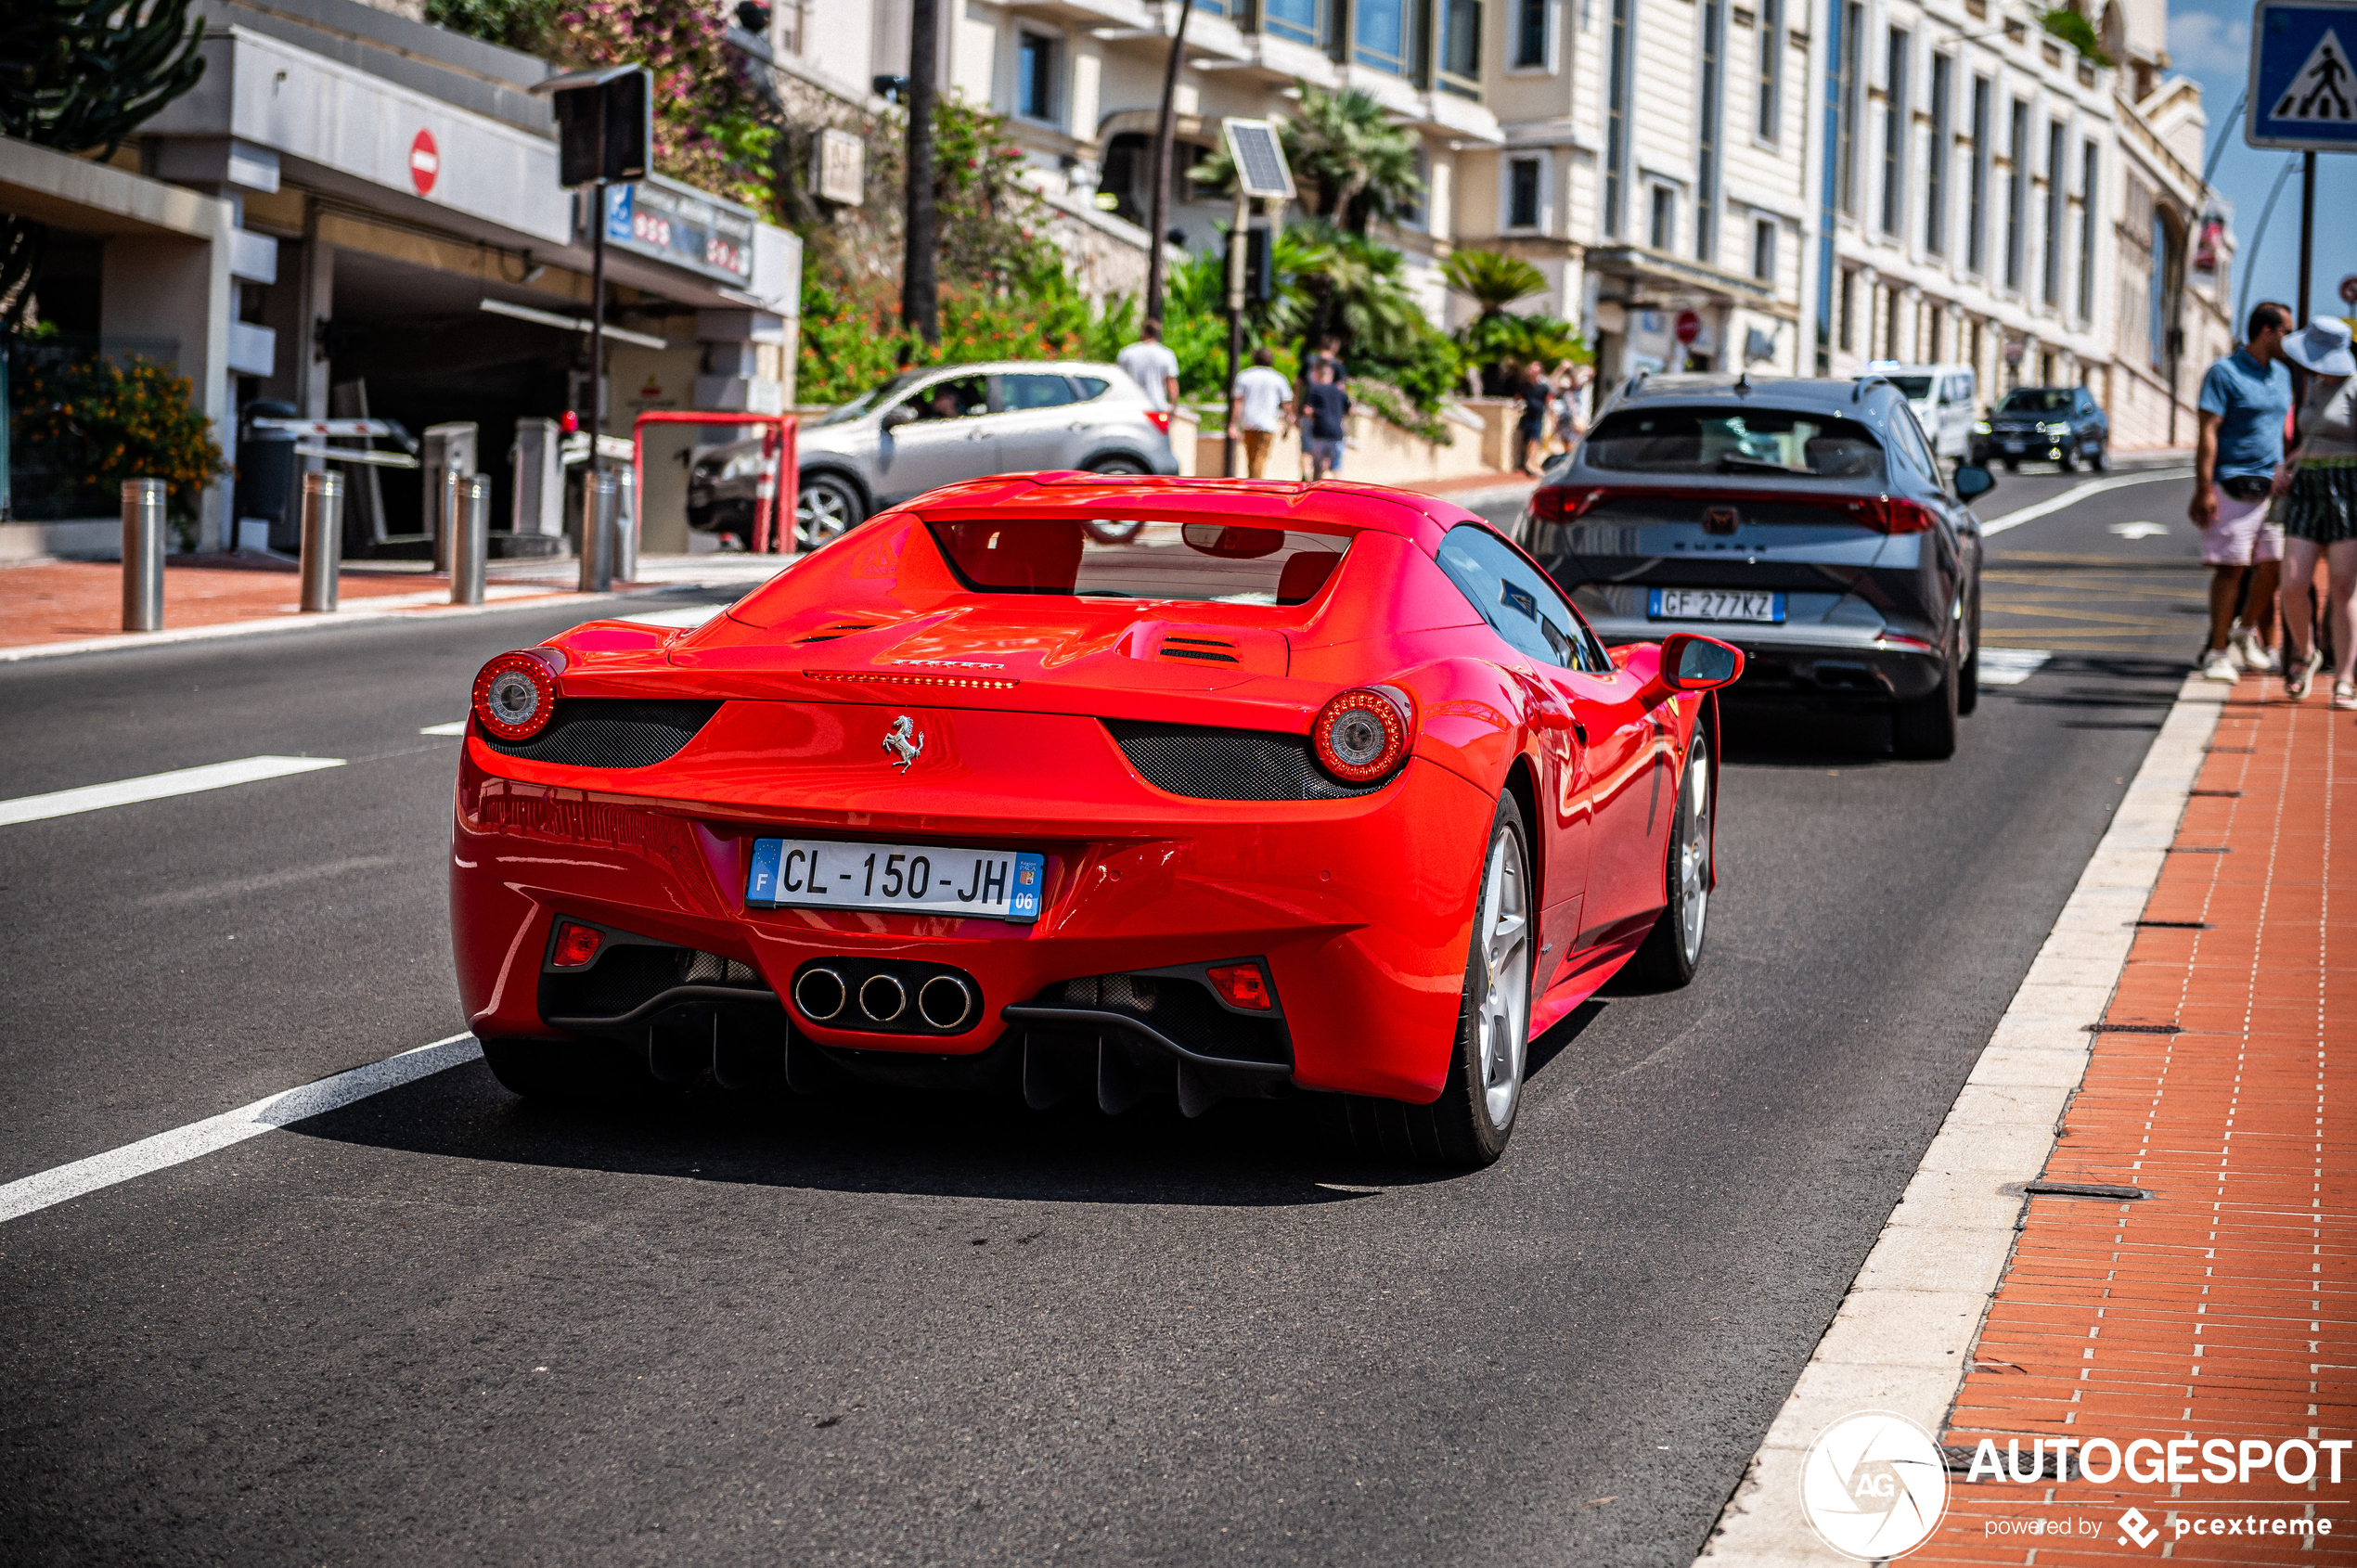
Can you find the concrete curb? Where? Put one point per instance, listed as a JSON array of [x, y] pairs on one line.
[[358, 613], [1903, 1338]]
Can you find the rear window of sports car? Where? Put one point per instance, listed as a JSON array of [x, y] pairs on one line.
[[1113, 558], [1737, 440]]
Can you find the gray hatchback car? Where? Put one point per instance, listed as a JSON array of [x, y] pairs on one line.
[[928, 428]]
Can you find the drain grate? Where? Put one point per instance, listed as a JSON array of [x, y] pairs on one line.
[[2132, 1029], [2171, 925], [2245, 749], [2200, 848], [2218, 795], [2083, 1189]]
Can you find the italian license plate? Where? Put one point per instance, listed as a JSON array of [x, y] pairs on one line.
[[1715, 604], [994, 884]]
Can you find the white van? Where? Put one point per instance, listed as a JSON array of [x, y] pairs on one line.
[[1942, 396]]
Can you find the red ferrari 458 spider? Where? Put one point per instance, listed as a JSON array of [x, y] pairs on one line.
[[1091, 785]]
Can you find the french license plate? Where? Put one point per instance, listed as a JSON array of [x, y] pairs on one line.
[[1715, 604], [994, 884], [2014, 445]]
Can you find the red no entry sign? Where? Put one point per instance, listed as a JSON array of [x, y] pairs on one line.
[[425, 163]]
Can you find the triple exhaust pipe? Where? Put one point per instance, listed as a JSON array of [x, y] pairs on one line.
[[900, 998]]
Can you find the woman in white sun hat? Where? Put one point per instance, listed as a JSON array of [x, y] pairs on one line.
[[2318, 482]]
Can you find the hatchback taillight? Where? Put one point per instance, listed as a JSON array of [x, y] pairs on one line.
[[1159, 418], [1889, 514], [1557, 503]]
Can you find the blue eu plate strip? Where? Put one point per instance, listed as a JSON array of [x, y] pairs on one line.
[[1031, 879], [761, 884]]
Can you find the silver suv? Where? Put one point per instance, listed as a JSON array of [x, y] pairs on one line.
[[928, 428]]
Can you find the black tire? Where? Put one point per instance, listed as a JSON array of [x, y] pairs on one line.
[[2068, 461], [2099, 458], [1968, 677], [1925, 729], [1460, 1127], [593, 1070], [1673, 949], [827, 506], [2013, 464], [1118, 465]]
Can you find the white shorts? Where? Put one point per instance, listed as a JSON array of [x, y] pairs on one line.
[[2241, 535]]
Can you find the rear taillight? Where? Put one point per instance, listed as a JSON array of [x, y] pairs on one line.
[[1361, 735], [1889, 514], [516, 693], [577, 944], [1563, 504], [1159, 418], [1241, 985]]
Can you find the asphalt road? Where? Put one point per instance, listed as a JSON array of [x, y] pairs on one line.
[[441, 1326]]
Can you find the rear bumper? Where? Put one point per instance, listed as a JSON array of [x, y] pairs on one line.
[[1809, 660], [1361, 909]]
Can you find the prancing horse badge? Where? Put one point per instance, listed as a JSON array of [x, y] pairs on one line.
[[904, 745]]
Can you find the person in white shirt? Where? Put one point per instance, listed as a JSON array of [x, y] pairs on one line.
[[1152, 366], [1262, 399]]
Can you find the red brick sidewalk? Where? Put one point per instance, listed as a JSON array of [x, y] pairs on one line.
[[2222, 1305]]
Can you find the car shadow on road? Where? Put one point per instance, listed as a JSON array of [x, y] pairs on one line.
[[1782, 733], [1240, 1154]]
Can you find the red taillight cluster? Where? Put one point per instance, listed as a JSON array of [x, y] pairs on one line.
[[516, 693], [1889, 514], [1159, 418], [1363, 735], [1241, 985], [1884, 514], [1557, 503], [577, 944]]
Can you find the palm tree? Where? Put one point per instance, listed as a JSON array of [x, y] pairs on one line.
[[1490, 280], [1353, 165], [1354, 290], [1494, 337]]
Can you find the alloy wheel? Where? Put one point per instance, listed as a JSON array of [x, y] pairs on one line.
[[1693, 857], [823, 512], [1503, 932]]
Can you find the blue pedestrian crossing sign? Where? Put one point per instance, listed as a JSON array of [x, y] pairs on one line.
[[2303, 88]]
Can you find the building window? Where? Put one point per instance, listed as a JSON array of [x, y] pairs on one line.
[[1523, 185], [1530, 35], [2016, 192], [1848, 311], [788, 25], [1894, 139], [1943, 71], [1304, 22], [1714, 48], [1036, 77], [2092, 163], [1934, 329], [1763, 249], [2057, 207], [1616, 122], [1662, 231], [1380, 36], [1461, 45], [1895, 304], [2157, 297], [1976, 201], [1849, 83], [1768, 119]]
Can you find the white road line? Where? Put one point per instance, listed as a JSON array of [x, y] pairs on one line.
[[1903, 1335], [2074, 495], [181, 1145], [2010, 666], [456, 727], [157, 785]]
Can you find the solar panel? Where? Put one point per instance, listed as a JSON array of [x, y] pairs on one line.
[[1259, 159]]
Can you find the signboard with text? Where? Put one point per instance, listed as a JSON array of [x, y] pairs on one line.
[[684, 227], [2303, 89]]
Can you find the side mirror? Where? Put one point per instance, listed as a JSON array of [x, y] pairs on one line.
[[899, 414], [1973, 480], [1692, 663]]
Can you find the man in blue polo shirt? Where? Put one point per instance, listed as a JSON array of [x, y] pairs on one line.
[[2245, 400]]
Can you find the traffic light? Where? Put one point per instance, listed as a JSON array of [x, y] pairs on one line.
[[605, 124], [1260, 265]]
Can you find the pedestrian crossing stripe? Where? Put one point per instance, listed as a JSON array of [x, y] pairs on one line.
[[2321, 89]]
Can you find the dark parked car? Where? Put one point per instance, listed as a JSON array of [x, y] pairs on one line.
[[2044, 425], [1805, 521]]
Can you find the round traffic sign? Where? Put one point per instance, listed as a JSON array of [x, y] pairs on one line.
[[1689, 326], [425, 163]]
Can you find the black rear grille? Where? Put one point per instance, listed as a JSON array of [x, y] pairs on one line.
[[612, 732], [1228, 764], [1181, 1010]]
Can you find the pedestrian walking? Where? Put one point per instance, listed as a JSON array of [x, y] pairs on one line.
[[2246, 400], [1530, 434], [1152, 364], [1569, 426], [1263, 396], [2319, 486], [1323, 402]]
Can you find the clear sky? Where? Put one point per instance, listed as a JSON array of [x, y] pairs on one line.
[[2210, 39]]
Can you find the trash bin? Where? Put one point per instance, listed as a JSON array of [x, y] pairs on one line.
[[268, 476]]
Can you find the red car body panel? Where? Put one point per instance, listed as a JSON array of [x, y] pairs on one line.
[[1361, 907]]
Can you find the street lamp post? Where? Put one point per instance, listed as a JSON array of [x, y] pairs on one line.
[[1158, 204]]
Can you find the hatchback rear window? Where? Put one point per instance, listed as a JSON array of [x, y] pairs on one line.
[[2036, 400], [1113, 558], [1745, 440], [1912, 387]]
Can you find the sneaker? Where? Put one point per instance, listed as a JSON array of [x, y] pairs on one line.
[[2219, 666], [2258, 658], [2345, 694]]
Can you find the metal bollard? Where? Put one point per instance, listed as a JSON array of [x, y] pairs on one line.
[[143, 536], [453, 501], [470, 540], [322, 540], [626, 529], [599, 493]]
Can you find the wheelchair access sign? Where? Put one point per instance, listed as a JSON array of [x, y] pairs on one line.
[[2303, 88]]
